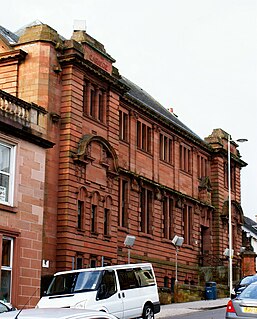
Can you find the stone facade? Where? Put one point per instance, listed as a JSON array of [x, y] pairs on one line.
[[22, 177], [122, 165]]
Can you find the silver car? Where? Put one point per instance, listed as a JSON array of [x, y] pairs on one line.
[[56, 313], [245, 305], [5, 307]]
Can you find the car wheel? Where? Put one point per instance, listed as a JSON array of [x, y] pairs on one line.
[[148, 312]]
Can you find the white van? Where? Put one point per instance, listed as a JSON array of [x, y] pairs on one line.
[[126, 291]]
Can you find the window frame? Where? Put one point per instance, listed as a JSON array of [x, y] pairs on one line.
[[94, 101], [188, 224], [123, 202], [8, 268], [166, 147], [146, 210], [144, 136], [167, 215], [185, 157], [11, 174], [123, 126]]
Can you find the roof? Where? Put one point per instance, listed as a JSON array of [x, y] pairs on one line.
[[250, 225], [142, 96], [8, 35], [135, 91], [31, 24]]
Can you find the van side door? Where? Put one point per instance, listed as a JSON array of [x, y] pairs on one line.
[[107, 296], [130, 293]]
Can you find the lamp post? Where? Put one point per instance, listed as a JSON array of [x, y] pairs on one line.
[[177, 242], [230, 247]]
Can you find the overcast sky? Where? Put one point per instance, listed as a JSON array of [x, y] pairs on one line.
[[197, 56]]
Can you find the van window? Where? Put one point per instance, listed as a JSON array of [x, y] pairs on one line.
[[108, 286], [74, 282], [144, 277], [127, 279]]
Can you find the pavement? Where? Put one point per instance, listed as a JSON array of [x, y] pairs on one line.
[[175, 309]]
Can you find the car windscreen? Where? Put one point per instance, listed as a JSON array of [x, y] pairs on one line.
[[74, 282]]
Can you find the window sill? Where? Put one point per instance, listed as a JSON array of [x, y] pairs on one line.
[[145, 152], [185, 172], [166, 162], [124, 142], [149, 236], [189, 246], [8, 208], [123, 229], [166, 240], [94, 235]]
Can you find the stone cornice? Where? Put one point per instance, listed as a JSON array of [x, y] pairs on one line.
[[11, 56], [165, 188], [175, 128], [75, 59]]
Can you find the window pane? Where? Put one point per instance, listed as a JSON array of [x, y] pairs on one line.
[[6, 253], [5, 287], [4, 187], [4, 159]]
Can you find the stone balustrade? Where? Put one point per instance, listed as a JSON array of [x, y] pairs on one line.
[[26, 114]]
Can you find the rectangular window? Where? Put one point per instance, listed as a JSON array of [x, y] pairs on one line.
[[146, 210], [139, 135], [185, 159], [92, 103], [232, 176], [202, 165], [93, 262], [165, 148], [6, 269], [7, 155], [93, 218], [188, 224], [167, 212], [123, 125], [106, 221], [100, 107], [79, 262], [80, 214], [123, 218], [144, 137]]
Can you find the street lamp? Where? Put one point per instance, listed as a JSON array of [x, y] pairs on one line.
[[129, 242], [241, 140], [177, 242]]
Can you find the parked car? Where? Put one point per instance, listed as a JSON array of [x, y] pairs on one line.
[[5, 307], [244, 306], [243, 283], [56, 313]]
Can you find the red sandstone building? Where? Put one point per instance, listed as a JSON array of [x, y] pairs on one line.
[[121, 165]]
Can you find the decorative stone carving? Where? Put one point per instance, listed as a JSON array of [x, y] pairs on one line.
[[204, 189], [135, 185]]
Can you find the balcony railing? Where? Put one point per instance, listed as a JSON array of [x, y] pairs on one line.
[[26, 114]]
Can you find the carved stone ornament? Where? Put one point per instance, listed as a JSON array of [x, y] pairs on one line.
[[135, 185], [180, 202], [158, 194]]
